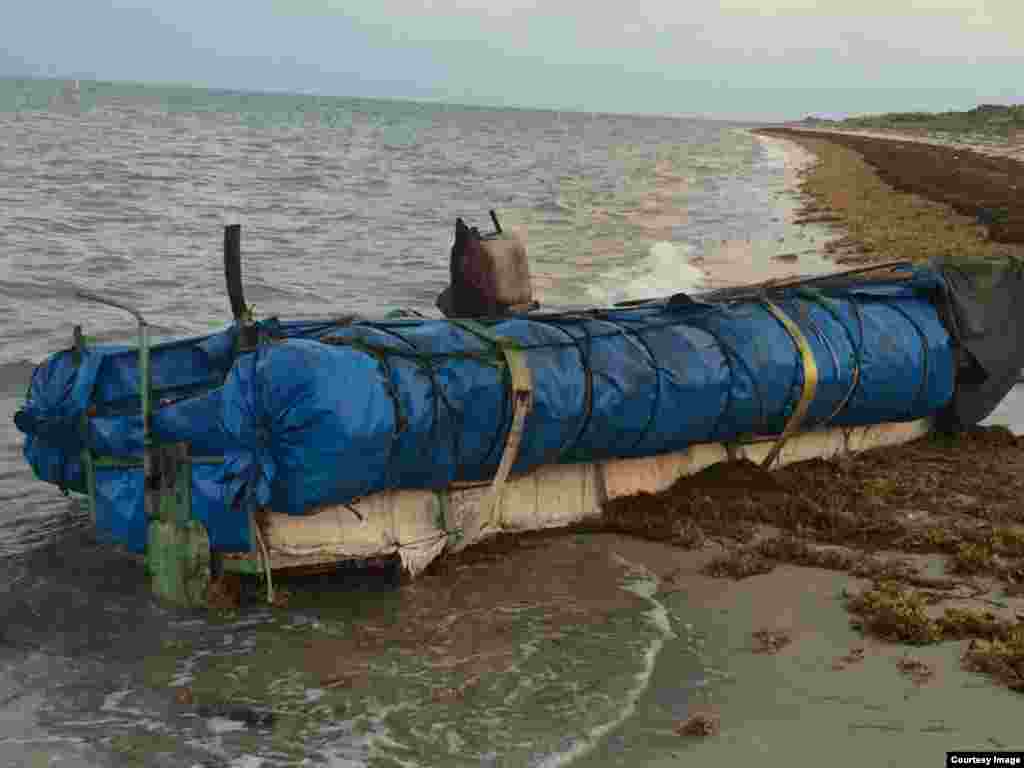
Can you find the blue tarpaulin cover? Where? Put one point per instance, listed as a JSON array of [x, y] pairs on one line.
[[331, 411]]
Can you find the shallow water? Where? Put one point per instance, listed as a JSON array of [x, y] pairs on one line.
[[555, 653], [467, 668]]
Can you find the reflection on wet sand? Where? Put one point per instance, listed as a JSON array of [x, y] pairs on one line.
[[735, 262]]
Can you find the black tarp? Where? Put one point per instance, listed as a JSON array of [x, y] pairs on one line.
[[984, 311]]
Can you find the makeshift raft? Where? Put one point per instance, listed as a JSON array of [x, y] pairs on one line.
[[277, 444]]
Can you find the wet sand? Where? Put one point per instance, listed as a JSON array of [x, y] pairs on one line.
[[803, 702], [829, 687], [803, 251]]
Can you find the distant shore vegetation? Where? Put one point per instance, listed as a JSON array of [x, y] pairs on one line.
[[992, 121]]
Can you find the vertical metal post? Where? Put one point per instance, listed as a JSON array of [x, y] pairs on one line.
[[177, 546], [233, 269], [86, 456], [247, 331], [89, 468], [146, 396], [145, 390]]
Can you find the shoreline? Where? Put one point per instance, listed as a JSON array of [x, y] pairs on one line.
[[803, 251], [912, 199]]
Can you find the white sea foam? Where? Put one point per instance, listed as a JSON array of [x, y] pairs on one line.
[[224, 725], [665, 270], [643, 584]]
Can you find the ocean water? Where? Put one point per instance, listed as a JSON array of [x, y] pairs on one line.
[[345, 205]]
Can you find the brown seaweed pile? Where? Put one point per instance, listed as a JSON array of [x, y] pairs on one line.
[[989, 190], [960, 496], [937, 494]]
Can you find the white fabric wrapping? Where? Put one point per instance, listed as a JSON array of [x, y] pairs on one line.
[[421, 525]]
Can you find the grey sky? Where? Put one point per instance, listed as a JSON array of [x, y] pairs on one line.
[[743, 59]]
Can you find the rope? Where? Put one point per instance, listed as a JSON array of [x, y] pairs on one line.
[[588, 385], [555, 456], [824, 302], [426, 362], [265, 557], [638, 340], [442, 517], [924, 354], [730, 354]]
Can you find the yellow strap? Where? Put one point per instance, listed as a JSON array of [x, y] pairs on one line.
[[810, 381], [522, 402]]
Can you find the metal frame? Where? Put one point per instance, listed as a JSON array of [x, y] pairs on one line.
[[177, 545]]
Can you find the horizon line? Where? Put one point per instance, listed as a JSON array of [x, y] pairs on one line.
[[427, 101]]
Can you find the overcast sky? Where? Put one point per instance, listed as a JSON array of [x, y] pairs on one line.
[[734, 59]]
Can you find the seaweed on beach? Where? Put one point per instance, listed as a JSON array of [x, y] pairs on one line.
[[954, 495], [701, 724], [771, 641], [931, 496], [893, 613], [1000, 659], [739, 564], [918, 671], [911, 200]]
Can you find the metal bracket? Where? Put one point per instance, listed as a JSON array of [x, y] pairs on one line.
[[145, 387]]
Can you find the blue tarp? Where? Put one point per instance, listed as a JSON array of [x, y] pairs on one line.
[[335, 411]]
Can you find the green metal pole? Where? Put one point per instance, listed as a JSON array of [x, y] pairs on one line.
[[177, 546], [146, 396], [88, 465], [145, 393]]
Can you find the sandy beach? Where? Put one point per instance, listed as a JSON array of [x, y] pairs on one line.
[[1012, 149]]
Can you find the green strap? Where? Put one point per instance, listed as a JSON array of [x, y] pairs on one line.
[[522, 402], [485, 333], [442, 516]]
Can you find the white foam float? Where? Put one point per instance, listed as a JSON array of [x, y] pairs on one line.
[[422, 525]]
